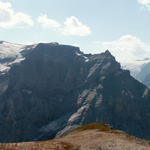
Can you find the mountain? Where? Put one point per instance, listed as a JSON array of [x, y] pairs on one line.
[[144, 74], [10, 53], [137, 68], [57, 88], [89, 137], [146, 81], [145, 71]]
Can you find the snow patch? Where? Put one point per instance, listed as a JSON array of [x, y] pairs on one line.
[[86, 58], [10, 50], [10, 54], [78, 54], [4, 68]]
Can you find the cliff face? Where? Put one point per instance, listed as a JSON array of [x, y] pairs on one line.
[[57, 88]]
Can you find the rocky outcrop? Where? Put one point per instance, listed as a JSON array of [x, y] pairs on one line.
[[57, 88]]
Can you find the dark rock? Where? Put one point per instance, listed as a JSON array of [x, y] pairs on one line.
[[57, 88]]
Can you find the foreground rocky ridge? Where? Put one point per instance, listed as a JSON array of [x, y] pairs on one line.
[[58, 88], [89, 137]]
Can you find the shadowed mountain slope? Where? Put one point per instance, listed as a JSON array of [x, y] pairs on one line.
[[58, 88]]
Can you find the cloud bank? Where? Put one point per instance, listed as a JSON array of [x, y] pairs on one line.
[[10, 19], [75, 27], [145, 3], [127, 49], [47, 22], [72, 26]]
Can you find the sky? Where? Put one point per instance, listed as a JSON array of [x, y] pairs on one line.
[[122, 26]]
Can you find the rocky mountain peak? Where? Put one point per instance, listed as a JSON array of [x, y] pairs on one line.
[[107, 53], [57, 49], [1, 42], [57, 88]]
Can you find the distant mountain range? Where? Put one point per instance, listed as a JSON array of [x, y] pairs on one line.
[[144, 74], [47, 90]]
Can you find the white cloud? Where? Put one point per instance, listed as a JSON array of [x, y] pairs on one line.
[[75, 28], [47, 22], [145, 3], [127, 49], [72, 26], [10, 19]]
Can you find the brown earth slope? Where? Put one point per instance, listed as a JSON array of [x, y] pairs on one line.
[[88, 137]]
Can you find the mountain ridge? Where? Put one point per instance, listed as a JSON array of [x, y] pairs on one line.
[[57, 88]]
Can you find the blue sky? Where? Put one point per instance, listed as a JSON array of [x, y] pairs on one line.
[[94, 25]]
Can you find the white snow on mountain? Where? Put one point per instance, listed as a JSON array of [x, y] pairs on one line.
[[10, 53], [10, 50]]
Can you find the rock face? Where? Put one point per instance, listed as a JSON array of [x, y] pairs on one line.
[[57, 88]]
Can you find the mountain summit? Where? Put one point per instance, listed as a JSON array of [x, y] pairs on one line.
[[57, 88]]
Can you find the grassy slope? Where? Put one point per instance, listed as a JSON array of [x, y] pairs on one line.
[[88, 137]]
